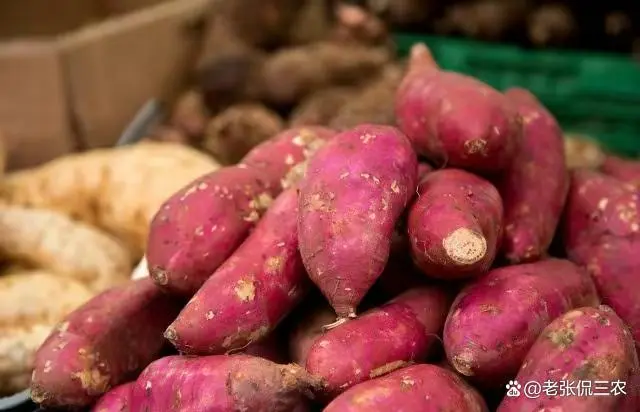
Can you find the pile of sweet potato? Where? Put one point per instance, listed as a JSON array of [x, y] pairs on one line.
[[427, 263]]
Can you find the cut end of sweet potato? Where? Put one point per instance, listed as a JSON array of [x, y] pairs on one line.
[[464, 246], [463, 363]]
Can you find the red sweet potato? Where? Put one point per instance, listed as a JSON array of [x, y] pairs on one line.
[[424, 388], [251, 292], [455, 119], [423, 170], [275, 157], [219, 384], [355, 189], [184, 249], [585, 345], [379, 341], [495, 320], [102, 344], [626, 170], [116, 400], [455, 224], [598, 206], [535, 186], [307, 331], [197, 228]]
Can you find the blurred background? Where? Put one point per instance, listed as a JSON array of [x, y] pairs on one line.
[[215, 78]]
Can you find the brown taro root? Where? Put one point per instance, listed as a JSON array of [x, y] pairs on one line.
[[322, 106], [291, 74], [230, 135], [375, 103], [357, 25], [484, 19], [189, 114], [551, 25]]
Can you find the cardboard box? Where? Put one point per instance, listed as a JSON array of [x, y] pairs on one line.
[[74, 72]]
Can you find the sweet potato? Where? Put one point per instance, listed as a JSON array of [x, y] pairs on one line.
[[614, 266], [598, 206], [601, 233], [96, 347], [224, 205], [379, 341], [291, 74], [495, 320], [626, 170], [275, 157], [455, 224], [117, 399], [231, 134], [425, 388], [355, 189], [582, 152], [307, 330], [455, 119], [201, 225], [535, 186], [585, 345], [423, 170], [251, 292], [219, 384]]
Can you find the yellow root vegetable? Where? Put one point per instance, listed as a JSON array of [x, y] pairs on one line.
[[54, 242]]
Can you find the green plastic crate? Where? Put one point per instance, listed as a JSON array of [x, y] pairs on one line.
[[595, 94]]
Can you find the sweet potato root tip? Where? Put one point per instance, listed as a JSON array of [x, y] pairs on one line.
[[465, 246], [338, 322]]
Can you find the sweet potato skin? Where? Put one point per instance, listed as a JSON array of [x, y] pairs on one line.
[[455, 119], [355, 189], [275, 157], [586, 344], [495, 320], [455, 224], [624, 169], [116, 400], [95, 347], [535, 186], [601, 233], [427, 388], [219, 384], [199, 227], [251, 292], [379, 341]]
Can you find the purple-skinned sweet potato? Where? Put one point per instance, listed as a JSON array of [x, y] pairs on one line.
[[626, 170], [379, 341], [423, 170], [495, 320], [534, 188], [424, 388], [117, 399], [585, 345], [598, 206], [277, 156], [222, 383], [199, 227], [455, 224], [102, 344], [355, 189], [455, 119], [244, 300]]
